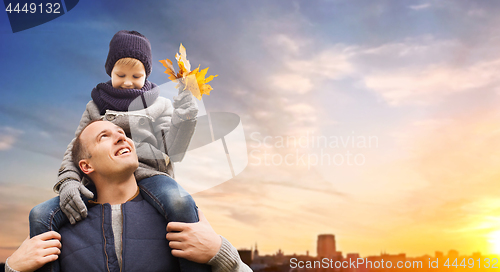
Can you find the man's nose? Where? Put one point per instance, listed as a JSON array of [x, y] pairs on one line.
[[119, 137]]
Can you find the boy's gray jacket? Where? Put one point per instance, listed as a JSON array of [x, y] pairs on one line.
[[160, 137]]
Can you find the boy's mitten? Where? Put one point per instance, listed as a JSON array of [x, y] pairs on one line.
[[71, 202], [185, 107]]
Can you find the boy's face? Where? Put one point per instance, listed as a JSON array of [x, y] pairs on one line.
[[128, 77]]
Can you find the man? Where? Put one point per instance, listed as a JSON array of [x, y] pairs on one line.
[[93, 244]]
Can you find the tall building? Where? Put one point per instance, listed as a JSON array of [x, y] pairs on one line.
[[352, 256], [246, 256], [326, 245], [452, 254]]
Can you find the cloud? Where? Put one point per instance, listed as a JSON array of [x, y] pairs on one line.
[[245, 217], [458, 160], [432, 82], [422, 70], [312, 187], [331, 63], [6, 142], [285, 42], [478, 13], [8, 137], [49, 121], [421, 6], [292, 83]]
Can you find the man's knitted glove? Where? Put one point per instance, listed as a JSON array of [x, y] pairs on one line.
[[71, 202], [185, 108]]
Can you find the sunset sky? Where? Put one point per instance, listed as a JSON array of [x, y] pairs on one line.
[[401, 100]]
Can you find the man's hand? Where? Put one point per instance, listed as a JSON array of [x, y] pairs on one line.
[[35, 252], [71, 202], [196, 242]]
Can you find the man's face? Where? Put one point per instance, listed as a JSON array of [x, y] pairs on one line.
[[128, 77], [111, 151]]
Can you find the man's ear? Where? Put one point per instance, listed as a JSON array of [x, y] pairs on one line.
[[86, 167]]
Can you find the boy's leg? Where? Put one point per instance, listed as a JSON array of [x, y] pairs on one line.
[[48, 215], [169, 198], [45, 217], [173, 202]]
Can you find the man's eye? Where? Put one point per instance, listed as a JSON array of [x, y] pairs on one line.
[[103, 135]]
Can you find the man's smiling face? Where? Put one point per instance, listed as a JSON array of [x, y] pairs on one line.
[[111, 151]]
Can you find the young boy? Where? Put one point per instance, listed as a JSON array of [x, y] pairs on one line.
[[161, 133]]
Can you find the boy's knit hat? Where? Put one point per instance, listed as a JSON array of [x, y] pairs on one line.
[[129, 44]]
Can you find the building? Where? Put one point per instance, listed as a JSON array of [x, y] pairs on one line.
[[452, 254], [246, 256], [326, 247], [476, 255]]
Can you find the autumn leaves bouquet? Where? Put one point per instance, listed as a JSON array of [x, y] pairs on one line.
[[194, 81]]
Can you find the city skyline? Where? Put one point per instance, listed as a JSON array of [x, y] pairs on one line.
[[436, 253], [329, 257]]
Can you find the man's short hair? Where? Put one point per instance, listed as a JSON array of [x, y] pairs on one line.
[[79, 151]]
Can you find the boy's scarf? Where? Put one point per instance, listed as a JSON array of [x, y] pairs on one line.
[[108, 98]]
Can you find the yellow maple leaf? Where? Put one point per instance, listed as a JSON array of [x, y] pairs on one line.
[[191, 84], [183, 71], [182, 57], [202, 81], [194, 81]]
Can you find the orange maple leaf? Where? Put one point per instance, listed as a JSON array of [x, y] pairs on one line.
[[170, 69], [194, 81]]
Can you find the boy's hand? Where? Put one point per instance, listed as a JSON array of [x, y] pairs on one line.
[[71, 202], [35, 252], [196, 242], [185, 106]]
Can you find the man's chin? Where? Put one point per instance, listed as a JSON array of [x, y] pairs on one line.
[[128, 167], [132, 167], [135, 165]]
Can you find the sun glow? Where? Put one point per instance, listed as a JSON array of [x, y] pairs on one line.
[[495, 241]]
